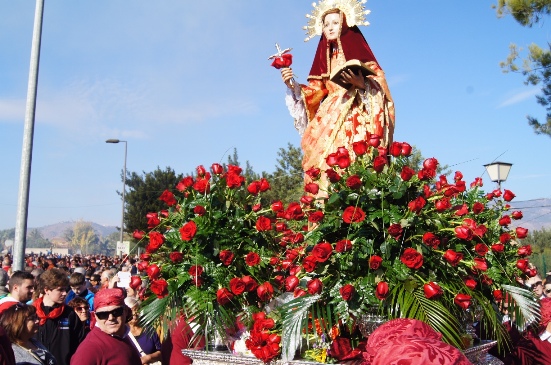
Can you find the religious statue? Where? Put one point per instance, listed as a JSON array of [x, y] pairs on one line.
[[327, 115]]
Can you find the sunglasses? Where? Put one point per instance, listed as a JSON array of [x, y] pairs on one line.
[[547, 291], [117, 312], [535, 285], [82, 309]]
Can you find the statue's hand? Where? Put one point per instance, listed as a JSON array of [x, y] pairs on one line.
[[357, 80], [287, 76]]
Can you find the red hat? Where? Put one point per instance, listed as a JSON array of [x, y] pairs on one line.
[[108, 297]]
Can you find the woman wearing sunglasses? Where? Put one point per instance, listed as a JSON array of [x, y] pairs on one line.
[[82, 310], [21, 324]]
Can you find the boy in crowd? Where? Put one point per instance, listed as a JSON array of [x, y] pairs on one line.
[[77, 281]]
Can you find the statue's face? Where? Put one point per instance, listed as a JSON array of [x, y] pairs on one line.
[[332, 26]]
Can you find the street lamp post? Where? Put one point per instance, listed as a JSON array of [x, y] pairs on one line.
[[123, 182], [498, 171]]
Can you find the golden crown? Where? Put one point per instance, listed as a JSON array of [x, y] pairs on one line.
[[354, 11]]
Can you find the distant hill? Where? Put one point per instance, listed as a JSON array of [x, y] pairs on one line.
[[537, 213], [57, 230]]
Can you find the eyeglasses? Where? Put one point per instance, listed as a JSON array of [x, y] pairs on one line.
[[81, 309], [117, 312], [535, 285]]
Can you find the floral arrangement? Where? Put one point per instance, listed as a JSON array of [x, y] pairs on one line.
[[371, 234]]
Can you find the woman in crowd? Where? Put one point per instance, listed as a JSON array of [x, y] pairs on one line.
[[82, 310], [147, 343], [547, 287], [21, 324]]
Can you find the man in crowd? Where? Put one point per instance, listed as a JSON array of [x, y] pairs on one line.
[[60, 330], [535, 283], [79, 288], [108, 342], [21, 287]]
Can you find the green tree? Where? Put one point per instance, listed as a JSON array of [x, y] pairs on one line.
[[35, 239], [540, 240], [143, 194], [82, 236], [287, 179], [536, 66]]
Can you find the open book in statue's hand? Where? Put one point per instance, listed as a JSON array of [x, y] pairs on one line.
[[355, 66]]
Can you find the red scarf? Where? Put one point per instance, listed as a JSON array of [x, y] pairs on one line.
[[54, 313]]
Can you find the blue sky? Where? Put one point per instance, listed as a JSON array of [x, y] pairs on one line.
[[186, 82]]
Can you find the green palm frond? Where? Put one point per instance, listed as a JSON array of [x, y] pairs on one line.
[[295, 322], [527, 305], [413, 304]]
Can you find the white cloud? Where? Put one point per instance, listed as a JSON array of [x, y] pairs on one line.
[[519, 97]]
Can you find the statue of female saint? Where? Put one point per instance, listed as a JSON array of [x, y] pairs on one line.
[[327, 115]]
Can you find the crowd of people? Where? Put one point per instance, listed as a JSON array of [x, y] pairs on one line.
[[85, 310]]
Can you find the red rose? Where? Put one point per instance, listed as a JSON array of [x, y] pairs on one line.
[[176, 257], [285, 60], [264, 185], [202, 186], [406, 149], [226, 257], [379, 163], [347, 291], [354, 182], [353, 215], [430, 239], [524, 251], [152, 220], [508, 195], [395, 230], [135, 282], [331, 159], [254, 188], [313, 172], [315, 286], [234, 180], [312, 188], [505, 220], [250, 283], [277, 206], [417, 204], [517, 214], [315, 217], [306, 199], [374, 140], [458, 176], [156, 240], [142, 266], [478, 208], [360, 148], [498, 247], [453, 257], [322, 251], [265, 292], [195, 270], [188, 230], [159, 288], [341, 348], [332, 176], [481, 249], [145, 256], [375, 262], [237, 286], [168, 198], [396, 149], [291, 282], [462, 300], [522, 264], [430, 163], [263, 224], [407, 173], [309, 263], [521, 232], [199, 210], [343, 246], [382, 291], [432, 290], [252, 259], [411, 258], [256, 207], [185, 183], [505, 238], [470, 282], [153, 271], [343, 158], [137, 234], [216, 168], [442, 205], [498, 295], [464, 233], [223, 296]]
